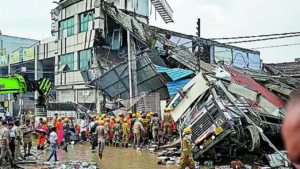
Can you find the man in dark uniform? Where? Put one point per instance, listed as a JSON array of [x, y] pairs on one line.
[[67, 134], [93, 134]]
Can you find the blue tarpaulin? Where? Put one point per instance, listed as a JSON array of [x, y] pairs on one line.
[[175, 73], [173, 88]]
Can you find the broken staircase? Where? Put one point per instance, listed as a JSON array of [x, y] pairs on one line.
[[164, 10]]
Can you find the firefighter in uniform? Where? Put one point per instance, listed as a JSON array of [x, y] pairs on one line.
[[18, 140], [125, 133], [94, 136], [107, 127], [186, 153], [42, 136], [155, 128], [167, 123], [117, 132], [32, 119], [111, 125], [145, 125], [67, 134], [4, 143]]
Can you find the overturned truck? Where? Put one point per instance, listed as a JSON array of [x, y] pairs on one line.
[[227, 118]]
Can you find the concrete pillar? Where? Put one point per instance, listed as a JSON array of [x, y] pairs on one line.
[[39, 112], [99, 99]]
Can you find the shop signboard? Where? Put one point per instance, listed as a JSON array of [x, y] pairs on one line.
[[14, 57], [4, 60], [28, 54]]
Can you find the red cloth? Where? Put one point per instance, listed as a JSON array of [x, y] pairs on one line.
[[78, 129]]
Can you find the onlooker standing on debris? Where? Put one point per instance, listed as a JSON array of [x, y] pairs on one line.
[[155, 127], [54, 144], [167, 123], [32, 119], [137, 132], [4, 143], [102, 133], [125, 133], [83, 128], [18, 140], [186, 151], [54, 120], [27, 129]]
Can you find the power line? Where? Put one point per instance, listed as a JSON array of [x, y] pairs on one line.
[[256, 40], [276, 46], [256, 36]]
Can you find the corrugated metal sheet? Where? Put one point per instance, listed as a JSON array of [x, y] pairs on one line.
[[115, 82], [242, 79], [175, 74], [173, 87], [151, 102]]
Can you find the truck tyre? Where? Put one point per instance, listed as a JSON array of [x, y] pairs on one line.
[[253, 139]]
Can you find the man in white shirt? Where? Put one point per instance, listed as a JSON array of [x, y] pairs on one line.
[[83, 128], [54, 144]]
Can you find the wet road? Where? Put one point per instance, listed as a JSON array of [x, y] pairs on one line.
[[114, 158]]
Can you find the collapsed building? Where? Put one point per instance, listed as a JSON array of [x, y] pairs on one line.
[[226, 94]]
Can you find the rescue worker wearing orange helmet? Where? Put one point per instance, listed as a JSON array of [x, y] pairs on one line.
[[101, 134], [167, 123]]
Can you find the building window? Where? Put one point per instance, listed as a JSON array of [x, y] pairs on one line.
[[68, 25], [84, 58], [84, 20], [66, 62]]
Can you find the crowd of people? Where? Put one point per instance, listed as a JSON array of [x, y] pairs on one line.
[[100, 130]]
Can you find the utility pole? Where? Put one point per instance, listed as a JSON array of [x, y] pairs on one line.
[[199, 46]]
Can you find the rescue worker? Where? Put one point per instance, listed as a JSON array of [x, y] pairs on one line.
[[27, 129], [167, 123], [137, 132], [148, 117], [155, 127], [186, 153], [58, 125], [91, 124], [54, 120], [93, 134], [22, 118], [101, 133], [18, 140], [40, 122], [117, 132], [125, 133], [133, 120], [107, 127], [67, 134], [103, 117], [121, 116], [151, 115], [42, 136], [94, 117], [4, 140], [32, 119], [111, 124], [145, 125]]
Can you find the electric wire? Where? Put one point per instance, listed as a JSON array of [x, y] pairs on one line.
[[265, 39], [255, 36]]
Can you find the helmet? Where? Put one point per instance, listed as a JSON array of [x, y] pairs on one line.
[[103, 116], [166, 109], [59, 118], [170, 109], [151, 113], [44, 121], [102, 122], [112, 117], [121, 115], [130, 112], [93, 116], [187, 130], [66, 119], [133, 115], [118, 120], [144, 116], [29, 112], [125, 119], [155, 114], [148, 115]]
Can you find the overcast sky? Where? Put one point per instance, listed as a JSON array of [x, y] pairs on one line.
[[219, 18]]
